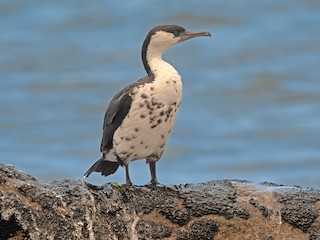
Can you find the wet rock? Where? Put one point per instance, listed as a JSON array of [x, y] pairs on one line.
[[150, 230], [201, 230], [11, 228], [229, 209], [263, 209], [298, 209], [217, 197]]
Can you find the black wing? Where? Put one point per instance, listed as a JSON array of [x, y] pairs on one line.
[[117, 111]]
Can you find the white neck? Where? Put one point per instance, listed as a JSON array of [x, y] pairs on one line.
[[158, 44], [157, 65]]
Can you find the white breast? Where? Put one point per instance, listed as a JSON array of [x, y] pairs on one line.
[[145, 130]]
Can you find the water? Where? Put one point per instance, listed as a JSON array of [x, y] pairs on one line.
[[251, 103]]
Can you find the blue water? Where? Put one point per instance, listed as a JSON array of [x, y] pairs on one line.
[[251, 100]]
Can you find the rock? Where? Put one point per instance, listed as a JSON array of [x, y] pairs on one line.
[[227, 209]]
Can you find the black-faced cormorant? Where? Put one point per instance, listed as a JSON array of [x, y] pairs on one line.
[[140, 117]]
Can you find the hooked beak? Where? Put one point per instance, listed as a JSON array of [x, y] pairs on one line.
[[188, 35]]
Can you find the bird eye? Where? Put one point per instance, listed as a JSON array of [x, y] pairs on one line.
[[176, 33]]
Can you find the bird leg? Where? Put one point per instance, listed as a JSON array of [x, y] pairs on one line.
[[152, 166], [128, 181]]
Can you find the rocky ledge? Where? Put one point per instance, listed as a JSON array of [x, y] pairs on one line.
[[227, 209]]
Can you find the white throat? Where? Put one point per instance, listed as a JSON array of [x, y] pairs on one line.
[[154, 52], [158, 66]]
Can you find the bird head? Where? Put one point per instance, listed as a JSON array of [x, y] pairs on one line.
[[164, 36]]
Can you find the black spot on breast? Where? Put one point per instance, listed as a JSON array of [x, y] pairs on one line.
[[141, 105], [152, 119], [135, 155], [132, 147], [143, 95], [168, 112], [153, 126], [162, 136], [121, 137], [159, 121], [142, 115], [128, 139], [136, 129], [149, 106], [151, 88], [141, 142], [162, 113]]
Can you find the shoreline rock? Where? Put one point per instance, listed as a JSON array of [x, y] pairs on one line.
[[224, 209]]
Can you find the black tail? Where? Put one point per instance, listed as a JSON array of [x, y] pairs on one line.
[[105, 167]]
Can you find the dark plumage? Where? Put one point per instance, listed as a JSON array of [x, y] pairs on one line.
[[116, 112]]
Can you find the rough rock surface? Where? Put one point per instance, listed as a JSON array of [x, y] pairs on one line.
[[229, 209]]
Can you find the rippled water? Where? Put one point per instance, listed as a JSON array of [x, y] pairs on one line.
[[251, 103]]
